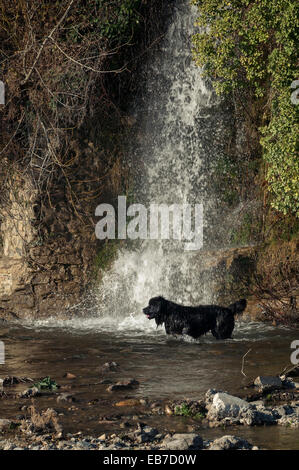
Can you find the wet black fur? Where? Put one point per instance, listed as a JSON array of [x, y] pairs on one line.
[[194, 321]]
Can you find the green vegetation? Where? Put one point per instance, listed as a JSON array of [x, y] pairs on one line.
[[106, 255], [119, 19], [248, 229], [249, 48], [46, 384], [185, 410]]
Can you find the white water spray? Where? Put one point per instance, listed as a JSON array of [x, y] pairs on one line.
[[180, 126]]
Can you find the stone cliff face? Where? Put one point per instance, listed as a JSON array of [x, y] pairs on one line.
[[41, 274], [62, 140]]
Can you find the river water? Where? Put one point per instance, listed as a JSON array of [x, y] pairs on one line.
[[165, 368]]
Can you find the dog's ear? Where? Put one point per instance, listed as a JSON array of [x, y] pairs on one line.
[[160, 302]]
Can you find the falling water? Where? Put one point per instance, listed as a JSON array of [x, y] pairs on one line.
[[181, 127]]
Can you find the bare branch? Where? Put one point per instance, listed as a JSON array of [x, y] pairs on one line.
[[45, 41], [243, 361]]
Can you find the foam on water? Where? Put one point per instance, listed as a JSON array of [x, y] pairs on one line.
[[135, 326]]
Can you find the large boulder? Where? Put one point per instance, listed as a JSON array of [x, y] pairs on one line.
[[226, 406]]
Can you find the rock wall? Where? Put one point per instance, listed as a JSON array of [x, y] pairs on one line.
[[40, 277]]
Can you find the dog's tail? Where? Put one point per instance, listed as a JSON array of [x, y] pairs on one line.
[[238, 307]]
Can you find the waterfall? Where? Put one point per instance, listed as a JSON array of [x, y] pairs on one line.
[[181, 126]]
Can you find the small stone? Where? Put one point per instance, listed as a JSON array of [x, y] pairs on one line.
[[284, 410], [143, 402], [30, 392], [124, 425], [123, 385], [69, 376], [109, 366], [129, 402], [168, 410], [294, 372], [186, 441], [230, 443], [5, 424], [290, 383], [67, 397], [147, 434]]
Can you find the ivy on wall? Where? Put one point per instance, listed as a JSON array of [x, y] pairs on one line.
[[251, 45]]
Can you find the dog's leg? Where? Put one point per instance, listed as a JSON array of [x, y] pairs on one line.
[[224, 326], [215, 334]]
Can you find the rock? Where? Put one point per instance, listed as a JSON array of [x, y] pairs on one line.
[[129, 402], [123, 385], [5, 424], [124, 425], [226, 406], [257, 417], [293, 372], [257, 403], [109, 366], [229, 443], [12, 380], [268, 382], [67, 397], [290, 383], [210, 395], [168, 410], [69, 376], [284, 410], [30, 392], [290, 417], [290, 421], [147, 434], [186, 441], [225, 409]]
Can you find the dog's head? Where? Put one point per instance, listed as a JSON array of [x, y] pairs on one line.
[[155, 309]]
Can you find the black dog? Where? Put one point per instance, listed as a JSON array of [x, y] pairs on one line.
[[194, 321]]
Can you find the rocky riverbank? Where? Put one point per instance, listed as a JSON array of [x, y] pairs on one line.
[[270, 401], [134, 441]]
